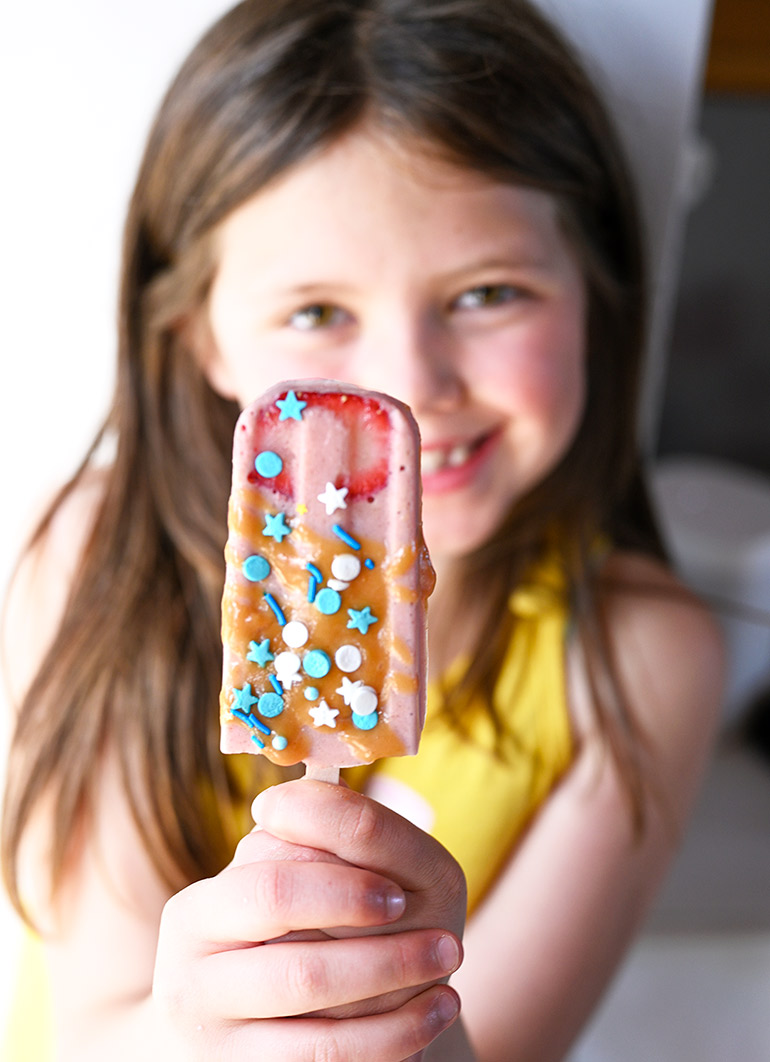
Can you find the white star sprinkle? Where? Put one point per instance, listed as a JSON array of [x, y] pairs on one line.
[[323, 715], [333, 498], [347, 689]]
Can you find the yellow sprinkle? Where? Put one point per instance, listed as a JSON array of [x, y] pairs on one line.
[[302, 508]]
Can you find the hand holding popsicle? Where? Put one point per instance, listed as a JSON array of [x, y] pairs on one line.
[[388, 904]]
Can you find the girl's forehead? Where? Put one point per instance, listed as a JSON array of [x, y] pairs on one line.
[[369, 182]]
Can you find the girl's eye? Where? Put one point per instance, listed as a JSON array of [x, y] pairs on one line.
[[486, 295], [321, 315]]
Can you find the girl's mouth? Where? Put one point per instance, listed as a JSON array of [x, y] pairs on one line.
[[453, 465]]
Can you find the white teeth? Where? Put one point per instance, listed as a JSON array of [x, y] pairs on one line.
[[458, 455], [431, 461], [434, 460]]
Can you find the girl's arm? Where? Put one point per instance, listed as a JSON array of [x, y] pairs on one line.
[[542, 947]]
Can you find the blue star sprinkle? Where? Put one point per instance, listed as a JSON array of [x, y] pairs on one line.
[[291, 407], [361, 619], [275, 526], [259, 653], [243, 699]]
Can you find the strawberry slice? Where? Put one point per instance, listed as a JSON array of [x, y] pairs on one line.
[[368, 424]]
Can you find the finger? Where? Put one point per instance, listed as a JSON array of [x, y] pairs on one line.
[[258, 901], [357, 830], [398, 1034], [296, 978], [259, 846]]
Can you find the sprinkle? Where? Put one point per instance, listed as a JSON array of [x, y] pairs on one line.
[[333, 498], [369, 563], [346, 566], [291, 407], [361, 619], [328, 601], [287, 667], [295, 634], [347, 689], [301, 509], [276, 685], [317, 663], [275, 526], [259, 652], [244, 698], [270, 705], [279, 743], [340, 532], [256, 567], [268, 464], [315, 571], [348, 658], [323, 715], [243, 716], [337, 584], [364, 722], [277, 611], [258, 725], [311, 693], [364, 701], [257, 741], [312, 587]]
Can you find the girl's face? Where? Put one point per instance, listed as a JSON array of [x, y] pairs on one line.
[[378, 265]]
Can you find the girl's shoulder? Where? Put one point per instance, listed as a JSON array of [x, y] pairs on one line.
[[41, 583], [665, 645]]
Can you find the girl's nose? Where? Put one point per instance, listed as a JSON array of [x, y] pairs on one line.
[[419, 367]]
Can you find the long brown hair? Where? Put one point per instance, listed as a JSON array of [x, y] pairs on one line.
[[136, 663]]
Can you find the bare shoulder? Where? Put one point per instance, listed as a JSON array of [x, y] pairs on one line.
[[669, 659], [39, 589], [655, 622]]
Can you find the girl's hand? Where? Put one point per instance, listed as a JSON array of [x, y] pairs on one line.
[[368, 910]]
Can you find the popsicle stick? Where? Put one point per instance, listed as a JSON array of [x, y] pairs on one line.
[[323, 774]]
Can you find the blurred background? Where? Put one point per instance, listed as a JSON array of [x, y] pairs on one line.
[[79, 83]]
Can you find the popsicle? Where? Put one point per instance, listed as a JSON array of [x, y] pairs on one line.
[[327, 580]]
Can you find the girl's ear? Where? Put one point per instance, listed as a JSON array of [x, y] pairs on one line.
[[196, 335]]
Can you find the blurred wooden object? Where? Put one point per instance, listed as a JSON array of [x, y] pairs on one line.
[[739, 55]]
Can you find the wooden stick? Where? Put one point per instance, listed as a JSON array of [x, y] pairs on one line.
[[323, 774]]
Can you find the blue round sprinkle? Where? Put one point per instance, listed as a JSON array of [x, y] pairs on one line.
[[311, 694], [270, 704], [317, 663], [279, 742], [268, 464], [256, 567], [328, 601], [365, 722]]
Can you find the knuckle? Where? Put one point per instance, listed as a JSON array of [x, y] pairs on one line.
[[309, 981], [364, 826], [274, 890], [327, 1048]]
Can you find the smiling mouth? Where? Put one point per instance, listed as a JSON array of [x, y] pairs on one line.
[[438, 459]]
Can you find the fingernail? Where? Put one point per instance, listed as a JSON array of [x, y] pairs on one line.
[[395, 903], [444, 1010], [447, 954]]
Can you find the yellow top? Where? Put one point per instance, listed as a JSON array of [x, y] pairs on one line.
[[475, 802]]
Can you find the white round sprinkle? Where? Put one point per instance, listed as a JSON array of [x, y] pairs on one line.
[[364, 700], [337, 584], [295, 634], [346, 566], [286, 664], [348, 658]]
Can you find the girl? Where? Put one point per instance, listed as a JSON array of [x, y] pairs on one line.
[[422, 197]]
